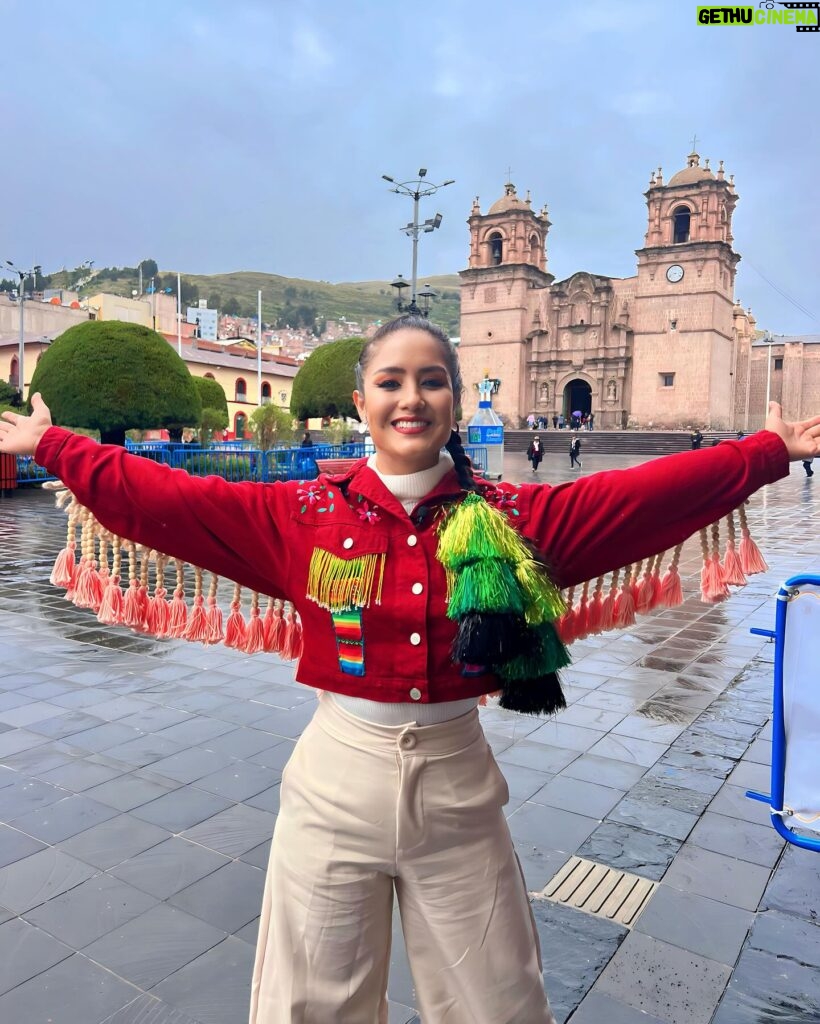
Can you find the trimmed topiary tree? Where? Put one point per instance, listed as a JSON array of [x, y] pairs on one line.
[[112, 377], [214, 415], [324, 385]]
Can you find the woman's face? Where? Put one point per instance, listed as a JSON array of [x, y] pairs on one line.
[[407, 401]]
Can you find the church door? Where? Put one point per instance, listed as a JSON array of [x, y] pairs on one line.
[[577, 398]]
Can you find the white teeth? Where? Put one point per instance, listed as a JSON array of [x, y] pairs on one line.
[[410, 424]]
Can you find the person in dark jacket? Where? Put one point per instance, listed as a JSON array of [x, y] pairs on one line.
[[307, 440], [575, 453], [535, 453]]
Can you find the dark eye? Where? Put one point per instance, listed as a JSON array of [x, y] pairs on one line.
[[434, 382], [388, 385]]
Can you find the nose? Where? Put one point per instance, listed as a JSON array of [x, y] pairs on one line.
[[412, 396]]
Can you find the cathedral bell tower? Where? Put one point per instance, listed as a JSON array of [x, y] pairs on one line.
[[684, 299], [507, 263]]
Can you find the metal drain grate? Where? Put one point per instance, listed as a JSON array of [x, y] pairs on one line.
[[599, 890]]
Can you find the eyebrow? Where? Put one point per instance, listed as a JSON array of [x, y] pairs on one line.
[[400, 369]]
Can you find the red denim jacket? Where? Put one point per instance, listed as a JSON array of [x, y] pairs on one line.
[[264, 537]]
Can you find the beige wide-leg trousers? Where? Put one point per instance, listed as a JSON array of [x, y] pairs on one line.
[[366, 808]]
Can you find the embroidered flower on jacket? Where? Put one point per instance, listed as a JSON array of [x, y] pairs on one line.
[[312, 495], [366, 513], [503, 501]]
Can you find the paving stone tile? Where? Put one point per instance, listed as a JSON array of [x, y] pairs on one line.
[[575, 948], [215, 987], [240, 743], [628, 749], [154, 945], [90, 910], [63, 819], [168, 867], [726, 879], [684, 778], [239, 780], [267, 800], [653, 817], [25, 714], [275, 756], [115, 840], [8, 776], [590, 718], [749, 775], [644, 727], [784, 935], [733, 802], [795, 885], [630, 849], [66, 724], [604, 771], [562, 734], [711, 929], [15, 740], [197, 730], [41, 759], [766, 988], [181, 808], [606, 700], [707, 764], [664, 980], [127, 792], [118, 708], [228, 898], [258, 856], [523, 782], [234, 831], [759, 844], [550, 828], [154, 717], [15, 845], [103, 737], [78, 776], [144, 750], [26, 951], [147, 1009], [73, 990], [577, 796], [39, 877], [539, 756], [601, 1009], [189, 765]]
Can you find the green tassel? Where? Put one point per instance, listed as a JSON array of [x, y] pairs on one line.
[[543, 599], [488, 585], [475, 530], [547, 654]]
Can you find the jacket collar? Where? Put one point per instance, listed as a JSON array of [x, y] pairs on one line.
[[361, 479]]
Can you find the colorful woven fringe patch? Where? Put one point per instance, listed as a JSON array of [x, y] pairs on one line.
[[347, 626]]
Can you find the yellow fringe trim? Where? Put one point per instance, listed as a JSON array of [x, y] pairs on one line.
[[338, 583]]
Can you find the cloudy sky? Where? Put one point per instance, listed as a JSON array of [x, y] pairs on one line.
[[215, 136]]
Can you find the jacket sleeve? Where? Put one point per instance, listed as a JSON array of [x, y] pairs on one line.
[[615, 518], [236, 530]]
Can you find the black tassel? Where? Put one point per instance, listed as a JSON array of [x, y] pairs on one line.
[[491, 639], [542, 696]]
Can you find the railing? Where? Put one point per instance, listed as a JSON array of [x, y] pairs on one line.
[[236, 461]]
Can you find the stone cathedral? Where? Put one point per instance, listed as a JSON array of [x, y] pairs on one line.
[[659, 349]]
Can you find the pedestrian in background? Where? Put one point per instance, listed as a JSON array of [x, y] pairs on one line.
[[535, 453], [807, 466], [575, 453]]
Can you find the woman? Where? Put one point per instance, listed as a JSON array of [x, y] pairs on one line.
[[535, 453], [575, 453], [392, 785]]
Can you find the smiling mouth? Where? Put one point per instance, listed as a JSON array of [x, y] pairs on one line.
[[410, 426]]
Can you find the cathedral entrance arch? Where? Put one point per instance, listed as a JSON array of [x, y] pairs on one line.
[[577, 397]]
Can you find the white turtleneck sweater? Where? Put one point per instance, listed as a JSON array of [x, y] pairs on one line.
[[409, 488]]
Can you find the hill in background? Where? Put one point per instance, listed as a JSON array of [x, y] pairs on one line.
[[285, 300]]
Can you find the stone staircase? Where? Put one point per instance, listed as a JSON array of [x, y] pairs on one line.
[[604, 442]]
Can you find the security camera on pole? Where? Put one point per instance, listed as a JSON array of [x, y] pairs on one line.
[[417, 189]]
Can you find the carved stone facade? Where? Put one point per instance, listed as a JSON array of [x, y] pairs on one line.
[[660, 349]]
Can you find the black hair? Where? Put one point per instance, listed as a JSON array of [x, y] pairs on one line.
[[414, 322]]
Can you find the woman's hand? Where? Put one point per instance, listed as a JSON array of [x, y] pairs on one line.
[[801, 439], [20, 435]]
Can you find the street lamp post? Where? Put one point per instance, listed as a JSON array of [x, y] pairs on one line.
[[21, 299], [417, 188]]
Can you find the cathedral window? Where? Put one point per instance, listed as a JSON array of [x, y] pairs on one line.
[[667, 380], [241, 392], [778, 362], [534, 250], [496, 248], [681, 220], [673, 325]]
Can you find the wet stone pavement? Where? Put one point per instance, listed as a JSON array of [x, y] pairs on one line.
[[139, 785]]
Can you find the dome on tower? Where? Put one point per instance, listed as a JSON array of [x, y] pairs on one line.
[[692, 172], [509, 201]]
